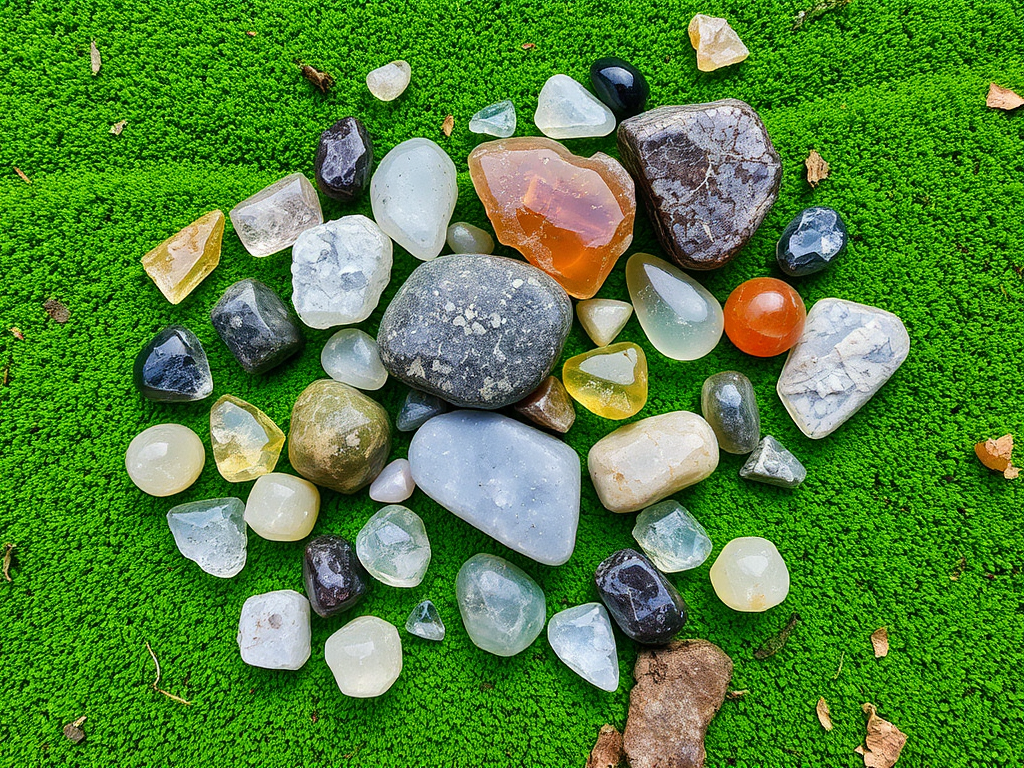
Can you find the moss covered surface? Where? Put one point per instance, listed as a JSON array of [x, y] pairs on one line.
[[895, 505]]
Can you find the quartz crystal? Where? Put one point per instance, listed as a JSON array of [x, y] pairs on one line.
[[549, 406], [645, 605], [273, 218], [567, 110], [671, 537], [464, 237], [273, 631], [513, 482], [352, 357], [772, 464], [750, 575], [339, 270], [708, 174], [648, 460], [339, 438], [333, 576], [716, 43], [413, 194], [847, 352], [498, 119], [582, 638], [502, 608], [182, 261], [282, 507], [729, 405], [815, 238], [389, 82], [393, 547], [344, 158], [256, 325], [609, 381], [425, 622], [246, 442], [173, 367], [764, 317], [620, 85], [394, 483], [212, 534], [603, 319], [365, 656], [417, 408], [570, 216], [165, 459]]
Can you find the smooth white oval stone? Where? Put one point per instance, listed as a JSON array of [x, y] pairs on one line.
[[498, 119], [502, 608], [365, 656], [464, 237], [413, 194], [567, 110], [352, 357], [165, 459], [750, 575], [212, 534], [389, 82], [282, 507], [513, 482], [394, 484], [273, 631], [393, 547], [671, 537], [582, 638], [603, 319]]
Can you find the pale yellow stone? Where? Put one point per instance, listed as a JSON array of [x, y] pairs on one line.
[[181, 262], [165, 459], [282, 507], [603, 319], [246, 442], [716, 43], [609, 381], [750, 575]]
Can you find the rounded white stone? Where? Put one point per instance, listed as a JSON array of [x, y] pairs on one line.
[[502, 608], [282, 507], [750, 575], [352, 357], [273, 631], [365, 656], [389, 82], [582, 638], [603, 319], [671, 537], [393, 547], [464, 237], [165, 459], [394, 484], [567, 110]]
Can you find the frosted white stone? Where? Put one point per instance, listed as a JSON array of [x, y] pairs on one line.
[[339, 270], [274, 217], [750, 575], [282, 507], [165, 459], [273, 631], [603, 319], [464, 237], [394, 484], [671, 537], [582, 638], [393, 547], [502, 608], [211, 533], [389, 82], [567, 110], [425, 622], [498, 119], [365, 656], [413, 194], [352, 357]]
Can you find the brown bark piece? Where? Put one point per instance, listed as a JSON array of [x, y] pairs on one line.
[[824, 715], [322, 81], [1002, 98], [527, 46], [95, 62], [73, 731], [883, 743], [57, 311], [880, 642], [997, 455], [607, 752], [21, 175], [817, 168], [678, 690], [448, 125]]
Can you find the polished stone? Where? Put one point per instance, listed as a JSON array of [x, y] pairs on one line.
[[813, 240], [389, 82], [645, 605], [246, 442], [502, 608], [750, 575], [582, 638], [273, 218], [567, 110], [620, 85], [212, 534], [256, 326], [498, 119], [352, 357], [333, 577], [464, 237], [344, 159], [282, 507], [365, 657], [729, 405], [609, 381], [716, 43], [425, 622], [417, 408], [182, 261], [772, 464], [394, 484], [165, 459], [273, 630], [603, 319], [393, 547], [764, 317], [549, 406], [172, 368], [671, 537]]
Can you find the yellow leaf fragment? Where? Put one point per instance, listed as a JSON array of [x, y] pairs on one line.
[[94, 58], [448, 125], [824, 716], [880, 642], [117, 127], [998, 455], [817, 168]]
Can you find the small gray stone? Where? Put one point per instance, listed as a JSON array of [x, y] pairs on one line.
[[729, 405], [417, 409], [425, 622], [772, 464], [255, 324]]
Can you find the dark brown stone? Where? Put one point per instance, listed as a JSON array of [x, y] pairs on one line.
[[549, 406], [708, 174]]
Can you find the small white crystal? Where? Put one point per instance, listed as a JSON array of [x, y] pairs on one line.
[[498, 119], [567, 110], [603, 319], [425, 622], [365, 656], [352, 357], [750, 575], [671, 537], [211, 533], [502, 608], [464, 237], [282, 507], [582, 638], [393, 547], [394, 484], [274, 217], [389, 82], [273, 631]]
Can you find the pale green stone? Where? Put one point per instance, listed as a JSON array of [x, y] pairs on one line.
[[671, 537]]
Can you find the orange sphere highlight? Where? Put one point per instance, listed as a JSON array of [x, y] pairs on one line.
[[764, 317]]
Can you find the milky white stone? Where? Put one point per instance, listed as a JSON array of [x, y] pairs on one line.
[[845, 355], [274, 217], [389, 82], [394, 484], [365, 656], [413, 194], [352, 357], [464, 237], [671, 537], [211, 533], [165, 459], [273, 631], [425, 622], [393, 547], [498, 119], [339, 270], [603, 319], [750, 575], [567, 110], [582, 638], [502, 608], [282, 507]]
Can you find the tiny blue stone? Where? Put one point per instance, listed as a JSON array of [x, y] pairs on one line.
[[811, 241]]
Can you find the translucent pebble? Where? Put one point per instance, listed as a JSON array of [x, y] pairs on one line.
[[389, 82], [464, 237], [165, 459], [352, 357], [671, 537], [498, 119], [393, 547]]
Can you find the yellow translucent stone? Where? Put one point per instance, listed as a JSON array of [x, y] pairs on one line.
[[246, 443], [609, 381], [716, 43], [181, 262]]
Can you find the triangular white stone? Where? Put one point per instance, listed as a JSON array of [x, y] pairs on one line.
[[603, 319], [497, 119], [567, 110], [582, 638]]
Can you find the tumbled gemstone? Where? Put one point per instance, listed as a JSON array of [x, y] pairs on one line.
[[425, 622], [182, 261], [246, 442], [282, 507], [394, 484], [716, 43], [365, 656], [165, 459], [764, 317], [273, 218], [256, 326], [582, 638], [352, 357], [417, 409], [273, 630], [467, 238], [811, 241], [502, 608], [603, 319], [645, 605], [212, 534], [772, 464], [393, 547], [389, 82], [344, 158], [671, 537], [498, 119], [173, 367], [333, 577], [549, 406], [570, 216], [609, 381], [567, 110], [620, 85], [729, 405], [750, 575], [680, 316]]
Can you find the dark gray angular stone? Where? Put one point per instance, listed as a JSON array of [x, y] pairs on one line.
[[644, 604], [256, 326], [708, 174], [729, 405], [417, 409], [173, 367], [772, 464], [811, 241], [344, 158], [477, 331], [334, 578]]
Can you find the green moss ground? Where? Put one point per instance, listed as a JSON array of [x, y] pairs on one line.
[[890, 93]]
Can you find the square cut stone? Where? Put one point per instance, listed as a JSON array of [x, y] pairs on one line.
[[274, 217]]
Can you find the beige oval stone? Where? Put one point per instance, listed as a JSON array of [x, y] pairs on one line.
[[648, 460], [165, 459], [282, 507]]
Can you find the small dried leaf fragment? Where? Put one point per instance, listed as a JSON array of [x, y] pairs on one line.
[[883, 743], [8, 554], [775, 643], [819, 8], [21, 175], [1002, 98], [817, 168], [251, 33], [959, 569], [57, 311], [998, 455], [528, 46], [607, 752], [734, 695], [448, 125], [16, 333], [880, 642], [322, 81], [117, 127], [824, 715], [94, 58], [73, 731]]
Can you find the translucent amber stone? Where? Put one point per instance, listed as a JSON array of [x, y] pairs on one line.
[[716, 43], [764, 317], [246, 443], [609, 381], [181, 262]]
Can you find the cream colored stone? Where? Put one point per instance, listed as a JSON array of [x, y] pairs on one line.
[[165, 459], [365, 656], [282, 507], [603, 319], [716, 43], [750, 575]]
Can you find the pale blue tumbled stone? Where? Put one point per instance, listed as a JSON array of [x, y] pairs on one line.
[[671, 537], [582, 638], [498, 119], [502, 608], [425, 622], [212, 533]]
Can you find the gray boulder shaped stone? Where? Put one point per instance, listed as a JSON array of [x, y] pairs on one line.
[[772, 464], [255, 324]]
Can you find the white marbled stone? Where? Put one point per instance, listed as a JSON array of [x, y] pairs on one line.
[[393, 547], [750, 575], [365, 656], [389, 82], [671, 537], [498, 119], [165, 459], [211, 533], [273, 631], [394, 484], [464, 237], [567, 110], [425, 622], [582, 638], [771, 463], [603, 319], [352, 357], [502, 608], [274, 217]]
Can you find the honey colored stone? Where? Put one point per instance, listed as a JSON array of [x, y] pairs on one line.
[[181, 262], [609, 381], [549, 406], [282, 507], [716, 43], [246, 442], [570, 216], [603, 319]]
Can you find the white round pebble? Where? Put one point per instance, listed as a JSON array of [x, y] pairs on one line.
[[352, 357], [165, 459], [389, 82], [750, 575], [365, 656], [282, 507]]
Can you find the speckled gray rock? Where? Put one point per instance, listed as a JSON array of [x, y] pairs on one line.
[[729, 405], [772, 464], [255, 324], [478, 331], [708, 174]]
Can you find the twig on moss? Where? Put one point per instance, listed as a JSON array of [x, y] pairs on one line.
[[842, 655], [8, 548], [156, 683]]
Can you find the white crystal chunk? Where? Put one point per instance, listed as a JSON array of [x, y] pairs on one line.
[[750, 575], [603, 319], [274, 217], [567, 110], [671, 537], [502, 608], [582, 638], [273, 631], [365, 656], [498, 119], [352, 357], [394, 484], [464, 237], [425, 622], [212, 534], [389, 82], [393, 547]]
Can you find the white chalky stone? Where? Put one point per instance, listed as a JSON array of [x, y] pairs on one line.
[[393, 547], [211, 533], [750, 575], [389, 82], [567, 110], [165, 459], [274, 217], [394, 484], [603, 319], [582, 638], [282, 507], [352, 357], [502, 608], [273, 631]]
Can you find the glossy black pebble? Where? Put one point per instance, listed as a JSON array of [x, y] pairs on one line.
[[642, 601], [335, 580], [811, 241], [344, 159], [620, 85], [256, 326], [173, 367]]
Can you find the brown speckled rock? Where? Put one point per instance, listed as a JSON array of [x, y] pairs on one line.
[[607, 752]]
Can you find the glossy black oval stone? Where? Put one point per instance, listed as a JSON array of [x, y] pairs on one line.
[[173, 367], [811, 241], [344, 159], [335, 580], [644, 604], [620, 85], [256, 326]]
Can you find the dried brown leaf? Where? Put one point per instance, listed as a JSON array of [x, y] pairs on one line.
[[16, 333], [607, 752], [21, 175], [1002, 98], [322, 81], [94, 58], [883, 743], [998, 455], [528, 46], [824, 715], [117, 127], [57, 311], [958, 571], [73, 731], [7, 375], [775, 643], [880, 642], [250, 33], [817, 168], [733, 695], [448, 125], [8, 557]]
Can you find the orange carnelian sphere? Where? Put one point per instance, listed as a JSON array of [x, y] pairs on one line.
[[764, 316]]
